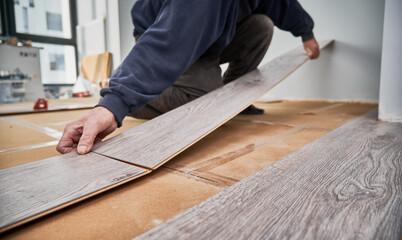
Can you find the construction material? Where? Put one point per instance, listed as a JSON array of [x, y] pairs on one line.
[[96, 68], [159, 140], [35, 189], [206, 168], [148, 146], [345, 185]]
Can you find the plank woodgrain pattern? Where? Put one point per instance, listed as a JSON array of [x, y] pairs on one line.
[[160, 139], [38, 188], [345, 185]]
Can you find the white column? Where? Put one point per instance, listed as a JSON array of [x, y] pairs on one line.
[[390, 107]]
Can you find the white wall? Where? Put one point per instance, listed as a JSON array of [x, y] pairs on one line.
[[88, 11], [390, 108], [350, 70], [126, 27]]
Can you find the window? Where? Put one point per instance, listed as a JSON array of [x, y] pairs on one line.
[[48, 18], [1, 25], [25, 19], [49, 25], [53, 21], [57, 63]]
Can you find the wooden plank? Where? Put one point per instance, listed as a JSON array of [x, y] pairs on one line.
[[345, 185], [35, 189], [159, 140]]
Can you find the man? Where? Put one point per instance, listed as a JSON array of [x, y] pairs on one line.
[[176, 58]]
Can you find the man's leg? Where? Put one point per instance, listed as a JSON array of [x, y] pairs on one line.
[[244, 53], [200, 78], [247, 49]]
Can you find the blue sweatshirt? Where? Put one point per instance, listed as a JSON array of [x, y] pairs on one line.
[[175, 33]]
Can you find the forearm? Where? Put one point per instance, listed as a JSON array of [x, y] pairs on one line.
[[290, 16], [180, 35]]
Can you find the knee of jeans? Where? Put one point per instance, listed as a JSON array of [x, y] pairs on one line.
[[263, 25]]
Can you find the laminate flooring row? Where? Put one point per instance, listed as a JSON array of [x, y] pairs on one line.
[[345, 185], [33, 190]]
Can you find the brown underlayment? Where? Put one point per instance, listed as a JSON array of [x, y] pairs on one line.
[[13, 135], [27, 139], [234, 151]]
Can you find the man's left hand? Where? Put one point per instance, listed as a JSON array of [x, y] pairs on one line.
[[312, 48]]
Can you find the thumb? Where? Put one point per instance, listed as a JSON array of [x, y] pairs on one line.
[[309, 52], [89, 133]]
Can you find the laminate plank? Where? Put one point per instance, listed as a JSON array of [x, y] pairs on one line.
[[160, 139], [35, 189], [345, 185]]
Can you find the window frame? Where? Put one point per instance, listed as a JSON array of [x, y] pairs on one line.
[[9, 29]]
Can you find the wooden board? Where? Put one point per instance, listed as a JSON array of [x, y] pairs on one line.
[[96, 68], [35, 189], [345, 185], [159, 140]]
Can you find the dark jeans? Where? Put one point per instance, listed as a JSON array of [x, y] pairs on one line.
[[247, 49]]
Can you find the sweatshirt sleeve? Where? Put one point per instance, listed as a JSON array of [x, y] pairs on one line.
[[181, 33], [290, 16]]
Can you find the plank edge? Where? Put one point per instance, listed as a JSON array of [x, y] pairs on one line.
[[27, 220]]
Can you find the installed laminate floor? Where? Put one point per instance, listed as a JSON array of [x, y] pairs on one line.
[[345, 185]]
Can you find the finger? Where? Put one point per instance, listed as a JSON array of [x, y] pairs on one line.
[[317, 53], [90, 131], [309, 53], [70, 135], [98, 139]]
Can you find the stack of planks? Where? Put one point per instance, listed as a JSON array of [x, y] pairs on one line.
[[33, 190]]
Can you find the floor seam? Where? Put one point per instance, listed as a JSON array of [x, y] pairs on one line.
[[126, 162], [194, 176], [285, 124]]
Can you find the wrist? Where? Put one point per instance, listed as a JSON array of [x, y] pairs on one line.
[[105, 113], [307, 36], [116, 106]]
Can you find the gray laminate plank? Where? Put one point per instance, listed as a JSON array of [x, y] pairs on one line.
[[32, 190], [153, 143], [345, 185]]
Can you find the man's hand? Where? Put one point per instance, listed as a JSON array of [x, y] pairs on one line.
[[312, 48], [81, 134]]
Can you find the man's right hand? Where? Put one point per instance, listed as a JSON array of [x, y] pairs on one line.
[[81, 134], [312, 48]]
